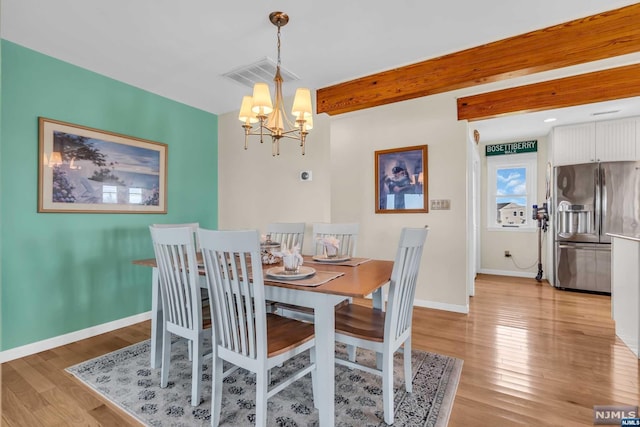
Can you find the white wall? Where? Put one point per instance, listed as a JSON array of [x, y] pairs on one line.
[[256, 189], [432, 121], [523, 245]]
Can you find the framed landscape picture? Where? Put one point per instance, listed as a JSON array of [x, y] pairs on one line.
[[93, 171], [401, 180]]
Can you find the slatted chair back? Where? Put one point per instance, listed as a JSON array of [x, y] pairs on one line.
[[193, 226], [178, 275], [287, 234], [402, 287], [236, 289], [346, 233]]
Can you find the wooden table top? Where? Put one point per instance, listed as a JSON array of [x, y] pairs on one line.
[[357, 281]]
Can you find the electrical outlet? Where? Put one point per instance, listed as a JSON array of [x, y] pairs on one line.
[[507, 254]]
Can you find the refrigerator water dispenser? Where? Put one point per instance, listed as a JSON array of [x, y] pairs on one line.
[[574, 219]]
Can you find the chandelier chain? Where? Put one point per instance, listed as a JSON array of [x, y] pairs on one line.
[[278, 45]]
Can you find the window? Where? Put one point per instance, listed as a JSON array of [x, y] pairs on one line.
[[109, 194], [135, 195], [511, 184]]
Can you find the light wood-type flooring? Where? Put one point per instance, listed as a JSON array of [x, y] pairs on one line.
[[533, 356]]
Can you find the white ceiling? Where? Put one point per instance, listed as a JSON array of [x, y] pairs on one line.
[[180, 49]]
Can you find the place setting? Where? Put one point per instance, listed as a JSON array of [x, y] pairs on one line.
[[292, 270], [331, 259], [331, 254]]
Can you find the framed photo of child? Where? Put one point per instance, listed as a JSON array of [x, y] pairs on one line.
[[401, 180]]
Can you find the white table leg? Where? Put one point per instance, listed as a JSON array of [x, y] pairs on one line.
[[325, 353], [156, 321], [378, 298]]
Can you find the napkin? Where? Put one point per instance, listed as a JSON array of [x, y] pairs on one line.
[[291, 258], [331, 244]]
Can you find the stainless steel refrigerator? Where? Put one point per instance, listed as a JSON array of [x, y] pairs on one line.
[[590, 200]]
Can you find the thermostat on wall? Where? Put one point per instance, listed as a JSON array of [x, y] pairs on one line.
[[305, 175]]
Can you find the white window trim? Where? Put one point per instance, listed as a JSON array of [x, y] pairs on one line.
[[529, 161]]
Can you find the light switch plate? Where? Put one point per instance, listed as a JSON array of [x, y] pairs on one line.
[[440, 204]]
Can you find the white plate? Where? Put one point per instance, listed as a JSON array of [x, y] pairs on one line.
[[323, 258], [279, 273]]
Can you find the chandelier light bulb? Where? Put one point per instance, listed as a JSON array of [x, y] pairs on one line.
[[307, 125]]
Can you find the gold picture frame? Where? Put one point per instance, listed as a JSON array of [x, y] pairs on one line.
[[401, 180], [86, 170]]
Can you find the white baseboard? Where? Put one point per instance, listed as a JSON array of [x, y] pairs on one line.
[[456, 308], [527, 274], [37, 347], [437, 305]]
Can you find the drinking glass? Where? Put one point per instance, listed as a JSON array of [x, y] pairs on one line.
[[291, 263]]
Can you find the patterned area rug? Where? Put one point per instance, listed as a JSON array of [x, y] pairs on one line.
[[124, 378]]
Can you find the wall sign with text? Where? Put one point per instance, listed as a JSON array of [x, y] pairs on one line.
[[512, 148]]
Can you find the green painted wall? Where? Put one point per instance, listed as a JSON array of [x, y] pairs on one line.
[[66, 272]]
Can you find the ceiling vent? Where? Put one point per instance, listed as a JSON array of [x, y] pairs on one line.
[[261, 71], [601, 113]]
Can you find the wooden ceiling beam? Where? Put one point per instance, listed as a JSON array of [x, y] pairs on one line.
[[598, 86], [604, 35]]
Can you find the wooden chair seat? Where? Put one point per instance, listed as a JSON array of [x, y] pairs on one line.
[[285, 333], [361, 322]]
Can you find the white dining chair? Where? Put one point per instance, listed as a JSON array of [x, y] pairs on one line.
[[175, 253], [193, 226], [346, 233], [244, 334], [287, 234], [384, 332]]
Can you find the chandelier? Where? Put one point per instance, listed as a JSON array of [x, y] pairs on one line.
[[270, 117]]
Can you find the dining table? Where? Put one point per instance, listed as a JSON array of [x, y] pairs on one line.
[[352, 278]]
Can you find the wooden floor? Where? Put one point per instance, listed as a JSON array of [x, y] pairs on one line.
[[533, 356]]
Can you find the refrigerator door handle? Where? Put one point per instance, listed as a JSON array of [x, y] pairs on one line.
[[590, 247], [603, 201], [597, 188]]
